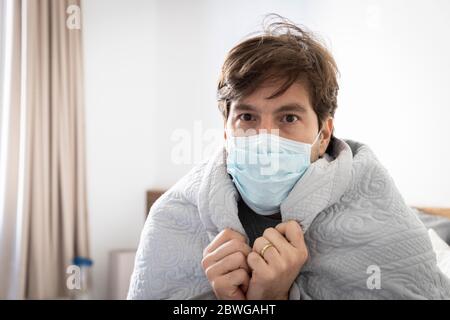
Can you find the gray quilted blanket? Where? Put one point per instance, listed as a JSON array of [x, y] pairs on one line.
[[357, 227]]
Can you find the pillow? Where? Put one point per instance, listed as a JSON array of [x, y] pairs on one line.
[[442, 251]]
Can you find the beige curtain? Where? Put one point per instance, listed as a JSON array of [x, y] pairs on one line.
[[43, 214]]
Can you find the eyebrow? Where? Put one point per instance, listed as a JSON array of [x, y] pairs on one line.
[[284, 108], [245, 107], [291, 107]]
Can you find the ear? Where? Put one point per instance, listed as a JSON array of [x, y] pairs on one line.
[[327, 131]]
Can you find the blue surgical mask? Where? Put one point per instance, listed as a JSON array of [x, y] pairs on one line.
[[265, 167]]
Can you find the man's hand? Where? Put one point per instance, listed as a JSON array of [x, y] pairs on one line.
[[225, 265], [273, 275]]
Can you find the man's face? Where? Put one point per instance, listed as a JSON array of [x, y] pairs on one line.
[[291, 113]]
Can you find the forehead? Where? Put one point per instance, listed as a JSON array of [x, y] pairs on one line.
[[297, 93]]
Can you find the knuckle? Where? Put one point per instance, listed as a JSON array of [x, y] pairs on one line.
[[244, 245], [258, 241], [268, 231], [252, 256], [205, 263], [231, 234], [239, 256], [281, 224], [292, 224], [205, 251], [239, 236], [244, 249], [235, 244], [226, 232]]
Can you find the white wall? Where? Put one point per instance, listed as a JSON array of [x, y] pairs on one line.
[[120, 122], [152, 67]]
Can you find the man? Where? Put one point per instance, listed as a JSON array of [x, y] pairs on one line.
[[284, 210]]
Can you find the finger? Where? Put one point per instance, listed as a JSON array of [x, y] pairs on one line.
[[239, 278], [223, 236], [271, 255], [229, 263], [228, 248], [257, 263], [293, 233], [278, 240], [233, 280]]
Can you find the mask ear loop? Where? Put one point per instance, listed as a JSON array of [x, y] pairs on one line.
[[317, 136], [315, 140]]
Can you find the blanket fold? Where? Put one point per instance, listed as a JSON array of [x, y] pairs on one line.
[[355, 221]]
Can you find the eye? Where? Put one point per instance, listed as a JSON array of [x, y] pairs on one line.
[[290, 118], [246, 117]]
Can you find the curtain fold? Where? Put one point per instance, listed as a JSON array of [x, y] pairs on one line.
[[45, 189]]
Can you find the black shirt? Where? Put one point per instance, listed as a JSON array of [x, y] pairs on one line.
[[254, 224]]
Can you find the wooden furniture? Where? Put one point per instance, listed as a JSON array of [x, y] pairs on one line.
[[444, 212], [152, 196]]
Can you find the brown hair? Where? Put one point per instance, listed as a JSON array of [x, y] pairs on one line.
[[282, 52]]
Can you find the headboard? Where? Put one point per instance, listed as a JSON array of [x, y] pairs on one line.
[[153, 195], [444, 212]]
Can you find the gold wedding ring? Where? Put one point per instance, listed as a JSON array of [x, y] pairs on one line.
[[265, 248]]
